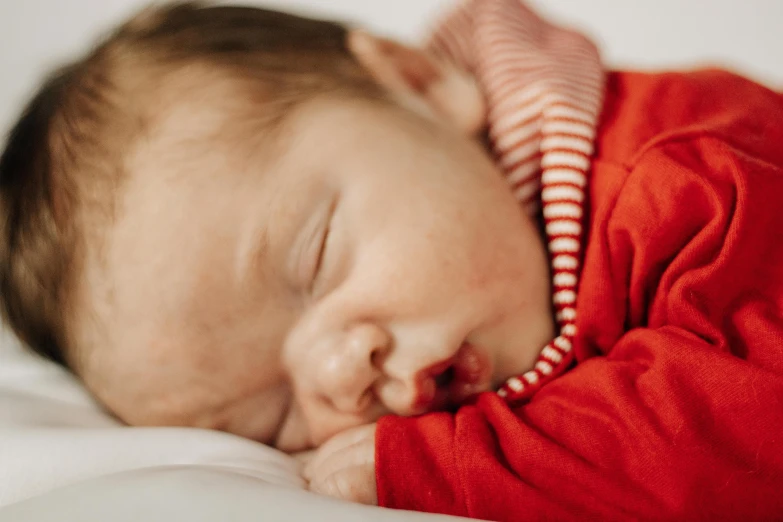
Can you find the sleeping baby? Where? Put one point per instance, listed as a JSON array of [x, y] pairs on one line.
[[484, 278]]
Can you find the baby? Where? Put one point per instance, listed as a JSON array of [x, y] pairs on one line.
[[309, 236]]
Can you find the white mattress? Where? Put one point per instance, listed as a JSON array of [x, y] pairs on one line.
[[63, 458]]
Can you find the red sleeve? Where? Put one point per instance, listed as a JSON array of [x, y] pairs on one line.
[[678, 417]]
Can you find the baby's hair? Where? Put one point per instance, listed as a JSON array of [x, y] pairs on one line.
[[63, 161]]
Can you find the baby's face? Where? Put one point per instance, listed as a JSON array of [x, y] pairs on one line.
[[370, 262]]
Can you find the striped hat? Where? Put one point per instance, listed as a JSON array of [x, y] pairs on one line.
[[544, 87]]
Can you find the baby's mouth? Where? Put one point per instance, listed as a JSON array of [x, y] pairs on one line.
[[446, 378], [448, 384]]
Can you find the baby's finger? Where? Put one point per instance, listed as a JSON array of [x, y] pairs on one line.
[[349, 437], [339, 443], [361, 453], [355, 484]]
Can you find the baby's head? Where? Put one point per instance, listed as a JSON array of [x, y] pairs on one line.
[[237, 219]]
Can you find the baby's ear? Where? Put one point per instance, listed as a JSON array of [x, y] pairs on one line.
[[421, 81]]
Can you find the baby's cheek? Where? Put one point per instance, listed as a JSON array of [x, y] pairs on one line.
[[164, 408]]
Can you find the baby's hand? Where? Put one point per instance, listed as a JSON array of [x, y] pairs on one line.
[[344, 467]]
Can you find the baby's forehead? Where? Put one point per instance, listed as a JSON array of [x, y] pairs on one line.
[[202, 119], [195, 117], [196, 101]]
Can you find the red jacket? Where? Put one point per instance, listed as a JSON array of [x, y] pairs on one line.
[[674, 409]]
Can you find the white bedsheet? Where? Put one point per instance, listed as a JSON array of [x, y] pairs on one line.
[[63, 458]]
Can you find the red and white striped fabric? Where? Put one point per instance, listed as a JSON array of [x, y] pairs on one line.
[[544, 88]]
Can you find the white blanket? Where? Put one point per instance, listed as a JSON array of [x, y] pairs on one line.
[[60, 453]]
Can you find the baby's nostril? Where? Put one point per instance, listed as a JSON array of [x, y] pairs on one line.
[[445, 378]]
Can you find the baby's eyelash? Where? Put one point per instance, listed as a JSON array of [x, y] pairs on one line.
[[321, 251], [319, 262]]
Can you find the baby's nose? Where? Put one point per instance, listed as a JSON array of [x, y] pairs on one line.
[[351, 369]]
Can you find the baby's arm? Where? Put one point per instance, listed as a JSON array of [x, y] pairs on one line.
[[626, 437], [682, 415]]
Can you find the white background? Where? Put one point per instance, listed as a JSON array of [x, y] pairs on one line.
[[746, 35]]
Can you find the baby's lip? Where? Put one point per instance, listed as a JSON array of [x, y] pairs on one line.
[[428, 395], [469, 373]]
